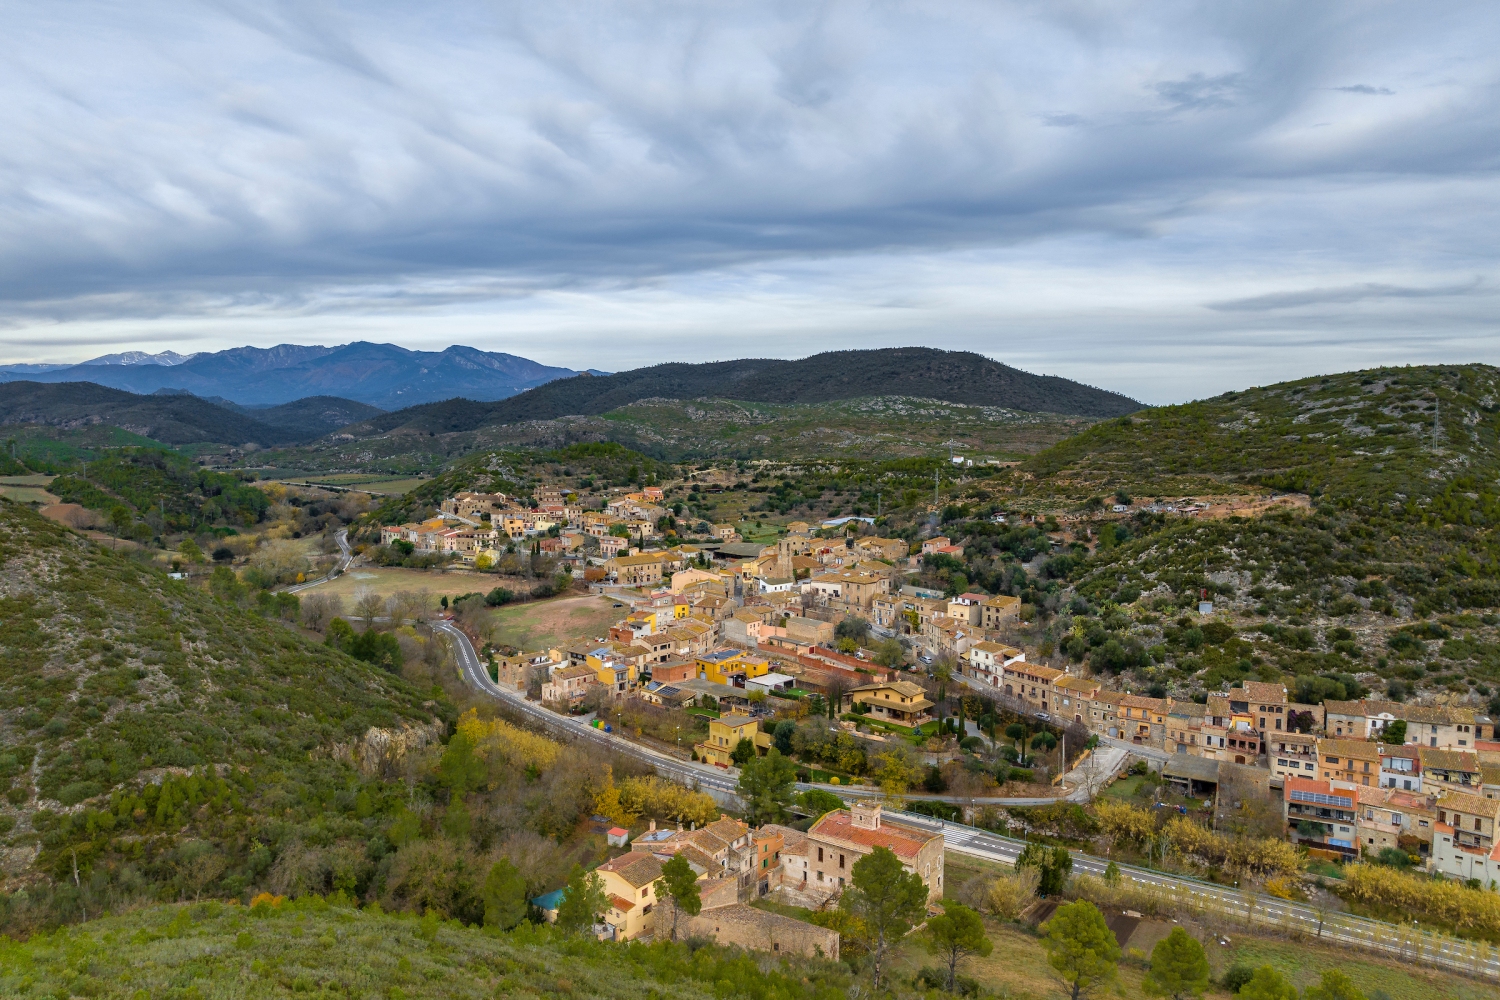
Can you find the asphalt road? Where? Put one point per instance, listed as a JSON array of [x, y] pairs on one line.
[[477, 677], [345, 557]]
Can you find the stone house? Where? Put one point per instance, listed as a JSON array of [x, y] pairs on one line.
[[840, 838]]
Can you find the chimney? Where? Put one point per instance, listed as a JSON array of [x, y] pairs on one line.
[[653, 827], [865, 815]]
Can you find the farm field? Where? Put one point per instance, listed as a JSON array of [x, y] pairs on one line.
[[27, 489], [393, 485], [386, 580], [545, 623]]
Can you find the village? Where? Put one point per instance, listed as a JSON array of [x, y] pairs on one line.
[[823, 624]]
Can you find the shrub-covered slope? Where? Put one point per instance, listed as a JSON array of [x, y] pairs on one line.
[[310, 948], [110, 673], [1409, 442]]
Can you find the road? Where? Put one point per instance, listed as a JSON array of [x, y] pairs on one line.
[[345, 557], [1473, 958], [692, 774], [689, 773]]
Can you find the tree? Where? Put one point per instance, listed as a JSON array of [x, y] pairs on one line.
[[1017, 733], [854, 628], [190, 550], [459, 768], [582, 902], [767, 785], [1395, 733], [1052, 866], [818, 802], [1081, 949], [743, 752], [504, 896], [1179, 968], [781, 736], [889, 653], [887, 898], [955, 935], [1334, 985], [1268, 984], [679, 883]]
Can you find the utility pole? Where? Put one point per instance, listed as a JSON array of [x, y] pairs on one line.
[[935, 474], [1436, 409]]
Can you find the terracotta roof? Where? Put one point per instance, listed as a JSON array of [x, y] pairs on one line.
[[1474, 805], [1263, 692], [1447, 760], [1360, 749], [904, 842], [1035, 670], [904, 688], [621, 903], [636, 868], [1081, 684], [1354, 708], [1440, 715], [1162, 705]]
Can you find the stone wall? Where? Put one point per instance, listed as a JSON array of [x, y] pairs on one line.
[[757, 930]]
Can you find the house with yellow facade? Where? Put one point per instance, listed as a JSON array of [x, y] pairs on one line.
[[725, 733], [615, 674], [732, 666], [630, 887], [900, 703]]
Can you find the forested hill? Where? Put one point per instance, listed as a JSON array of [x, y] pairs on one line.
[[171, 419], [113, 676], [952, 376], [1415, 442]]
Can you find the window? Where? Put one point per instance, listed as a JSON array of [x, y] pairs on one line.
[[841, 861], [820, 854]]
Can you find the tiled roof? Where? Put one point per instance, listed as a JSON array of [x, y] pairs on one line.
[[1474, 805], [1361, 749], [1447, 760], [636, 868], [1354, 708], [1263, 692], [904, 688], [904, 842]]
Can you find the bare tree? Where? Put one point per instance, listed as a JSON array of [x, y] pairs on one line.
[[318, 609], [409, 605], [368, 605]]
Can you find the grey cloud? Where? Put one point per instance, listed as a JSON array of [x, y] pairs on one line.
[[1365, 88], [1348, 294], [305, 160], [1198, 92]]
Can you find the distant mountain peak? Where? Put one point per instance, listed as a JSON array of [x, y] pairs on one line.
[[165, 358]]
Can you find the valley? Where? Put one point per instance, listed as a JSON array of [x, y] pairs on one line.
[[1322, 549]]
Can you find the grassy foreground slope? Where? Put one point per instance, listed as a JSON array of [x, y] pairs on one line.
[[311, 948], [113, 677]]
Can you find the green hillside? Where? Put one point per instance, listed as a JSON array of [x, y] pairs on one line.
[[1388, 442], [308, 947], [178, 723]]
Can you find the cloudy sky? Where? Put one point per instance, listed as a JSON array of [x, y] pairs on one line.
[[1166, 199]]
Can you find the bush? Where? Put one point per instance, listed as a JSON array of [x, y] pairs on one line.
[[499, 596], [1235, 976]]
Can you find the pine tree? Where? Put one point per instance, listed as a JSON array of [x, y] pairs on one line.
[[1179, 968]]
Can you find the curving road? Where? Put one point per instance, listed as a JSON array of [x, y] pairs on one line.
[[693, 774], [1472, 958], [346, 556]]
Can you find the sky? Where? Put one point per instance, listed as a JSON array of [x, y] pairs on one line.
[[1165, 199]]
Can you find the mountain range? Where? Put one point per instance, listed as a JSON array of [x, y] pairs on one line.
[[918, 372], [380, 375], [176, 418]]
